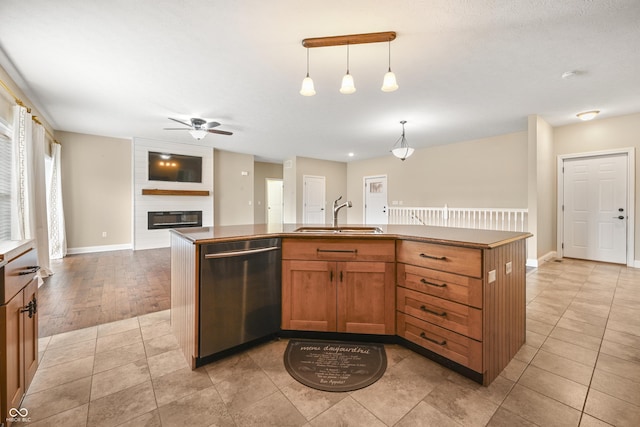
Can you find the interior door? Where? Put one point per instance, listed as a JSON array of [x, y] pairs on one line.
[[274, 201], [595, 208], [375, 200], [314, 199]]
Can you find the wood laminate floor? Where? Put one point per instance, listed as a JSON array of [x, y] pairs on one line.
[[91, 289]]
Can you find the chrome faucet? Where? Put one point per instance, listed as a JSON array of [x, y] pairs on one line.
[[336, 209]]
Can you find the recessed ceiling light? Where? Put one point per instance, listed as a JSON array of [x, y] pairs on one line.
[[569, 74], [587, 115], [351, 154]]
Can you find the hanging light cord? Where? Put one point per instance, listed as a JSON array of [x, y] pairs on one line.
[[347, 58], [307, 62], [390, 62]]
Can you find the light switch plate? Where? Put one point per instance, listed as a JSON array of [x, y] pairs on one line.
[[508, 268]]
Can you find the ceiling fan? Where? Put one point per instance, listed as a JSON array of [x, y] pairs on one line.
[[199, 128]]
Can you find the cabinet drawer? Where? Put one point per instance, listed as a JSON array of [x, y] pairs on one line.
[[18, 272], [339, 249], [456, 317], [456, 347], [462, 289], [453, 259]]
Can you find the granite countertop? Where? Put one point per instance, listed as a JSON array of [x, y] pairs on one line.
[[474, 238], [9, 249]]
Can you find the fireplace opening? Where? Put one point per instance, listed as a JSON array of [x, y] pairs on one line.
[[173, 219]]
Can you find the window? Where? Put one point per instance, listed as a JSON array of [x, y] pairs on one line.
[[5, 181]]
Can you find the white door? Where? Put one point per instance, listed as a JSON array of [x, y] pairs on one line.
[[375, 200], [313, 195], [595, 208], [274, 201]]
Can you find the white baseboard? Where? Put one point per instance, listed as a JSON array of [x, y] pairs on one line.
[[535, 263], [636, 263], [106, 248]]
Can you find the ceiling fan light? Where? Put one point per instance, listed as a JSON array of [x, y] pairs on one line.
[[389, 83], [198, 133], [588, 115], [348, 86], [307, 87]]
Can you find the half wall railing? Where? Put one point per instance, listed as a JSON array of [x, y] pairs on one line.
[[480, 218]]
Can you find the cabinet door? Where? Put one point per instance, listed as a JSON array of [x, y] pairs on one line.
[[13, 358], [30, 334], [366, 297], [309, 295]]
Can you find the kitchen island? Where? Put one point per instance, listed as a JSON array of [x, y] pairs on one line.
[[454, 295]]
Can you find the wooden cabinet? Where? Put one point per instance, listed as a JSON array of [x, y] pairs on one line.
[[338, 285], [18, 330], [464, 304]]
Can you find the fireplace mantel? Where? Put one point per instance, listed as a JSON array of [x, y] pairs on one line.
[[158, 192]]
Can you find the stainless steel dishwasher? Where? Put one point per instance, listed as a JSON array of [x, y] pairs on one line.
[[240, 293]]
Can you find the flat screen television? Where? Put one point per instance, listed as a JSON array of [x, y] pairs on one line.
[[174, 167]]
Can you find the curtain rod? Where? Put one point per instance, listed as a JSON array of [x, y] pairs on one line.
[[13, 95], [37, 120], [20, 103]]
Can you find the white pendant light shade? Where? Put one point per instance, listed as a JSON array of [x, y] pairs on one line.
[[307, 87], [198, 133], [348, 86], [401, 148], [389, 83]]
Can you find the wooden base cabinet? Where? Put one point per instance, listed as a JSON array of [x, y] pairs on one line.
[[18, 335], [338, 286], [464, 304]]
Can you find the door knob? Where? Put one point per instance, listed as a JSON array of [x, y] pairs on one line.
[[619, 217]]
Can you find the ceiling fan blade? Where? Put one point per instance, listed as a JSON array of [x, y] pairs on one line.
[[210, 125], [221, 132], [180, 121], [176, 128]]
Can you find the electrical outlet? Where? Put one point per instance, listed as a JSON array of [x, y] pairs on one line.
[[104, 234], [492, 276], [508, 268]]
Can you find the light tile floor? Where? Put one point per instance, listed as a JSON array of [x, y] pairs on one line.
[[579, 366]]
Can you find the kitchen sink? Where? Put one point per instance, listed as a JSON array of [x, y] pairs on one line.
[[344, 229]]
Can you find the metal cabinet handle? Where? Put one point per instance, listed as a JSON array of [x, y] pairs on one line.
[[423, 335], [340, 251], [437, 313], [439, 258], [438, 285], [30, 270], [240, 253], [31, 308]]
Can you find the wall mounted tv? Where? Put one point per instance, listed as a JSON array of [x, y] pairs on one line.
[[174, 167]]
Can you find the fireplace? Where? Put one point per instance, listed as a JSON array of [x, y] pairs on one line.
[[173, 219]]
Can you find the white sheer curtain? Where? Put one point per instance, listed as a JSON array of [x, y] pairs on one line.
[[55, 211], [29, 218]]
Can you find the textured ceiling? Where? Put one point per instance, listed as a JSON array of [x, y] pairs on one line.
[[466, 69]]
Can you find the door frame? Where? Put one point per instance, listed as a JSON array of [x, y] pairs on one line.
[[631, 180]]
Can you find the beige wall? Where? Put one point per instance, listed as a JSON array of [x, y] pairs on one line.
[[96, 189], [232, 191], [262, 171], [489, 172], [604, 134]]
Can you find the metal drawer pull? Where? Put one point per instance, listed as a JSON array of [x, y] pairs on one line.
[[439, 258], [443, 285], [423, 335], [425, 309], [342, 251], [31, 308], [231, 254], [31, 269]]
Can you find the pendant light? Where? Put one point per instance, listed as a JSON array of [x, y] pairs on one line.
[[348, 86], [307, 84], [401, 149], [389, 83]]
